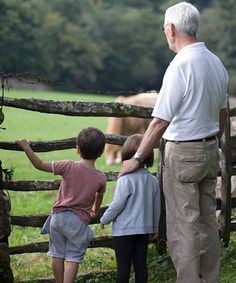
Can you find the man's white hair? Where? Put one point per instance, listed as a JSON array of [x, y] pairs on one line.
[[184, 16]]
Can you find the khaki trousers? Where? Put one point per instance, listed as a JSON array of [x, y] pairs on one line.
[[189, 180]]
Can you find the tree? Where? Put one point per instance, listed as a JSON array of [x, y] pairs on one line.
[[218, 31], [134, 58], [21, 38]]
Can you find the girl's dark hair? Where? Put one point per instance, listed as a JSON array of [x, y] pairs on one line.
[[130, 147], [91, 142]]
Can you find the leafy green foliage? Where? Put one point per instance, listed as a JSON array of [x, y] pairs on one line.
[[104, 45], [21, 39], [218, 26], [85, 44]]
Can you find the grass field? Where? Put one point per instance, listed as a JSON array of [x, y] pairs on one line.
[[42, 127]]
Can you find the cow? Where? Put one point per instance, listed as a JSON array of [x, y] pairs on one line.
[[126, 126]]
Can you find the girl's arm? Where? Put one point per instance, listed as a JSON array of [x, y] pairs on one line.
[[118, 203], [34, 159]]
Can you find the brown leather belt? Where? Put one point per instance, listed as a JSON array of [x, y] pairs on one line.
[[199, 140]]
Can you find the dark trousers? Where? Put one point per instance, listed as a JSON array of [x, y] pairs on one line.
[[130, 250]]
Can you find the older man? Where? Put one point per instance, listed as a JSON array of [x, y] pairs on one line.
[[189, 113]]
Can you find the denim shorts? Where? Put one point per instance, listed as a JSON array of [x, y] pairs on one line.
[[69, 236]]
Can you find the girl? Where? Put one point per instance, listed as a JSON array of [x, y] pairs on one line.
[[135, 212]]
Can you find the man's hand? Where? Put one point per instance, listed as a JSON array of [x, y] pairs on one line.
[[129, 166]]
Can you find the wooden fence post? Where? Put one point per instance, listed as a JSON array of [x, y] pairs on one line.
[[226, 172], [162, 225], [6, 274]]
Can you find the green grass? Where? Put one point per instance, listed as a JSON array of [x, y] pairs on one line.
[[42, 127], [38, 126]]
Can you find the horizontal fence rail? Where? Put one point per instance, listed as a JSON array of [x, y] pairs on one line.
[[79, 108], [45, 146], [113, 109], [38, 220], [42, 247]]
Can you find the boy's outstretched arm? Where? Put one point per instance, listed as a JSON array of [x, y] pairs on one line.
[[34, 159]]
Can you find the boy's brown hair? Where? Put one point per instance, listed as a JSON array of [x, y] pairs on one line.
[[130, 147], [91, 143]]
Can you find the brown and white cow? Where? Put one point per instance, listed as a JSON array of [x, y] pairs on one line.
[[127, 126]]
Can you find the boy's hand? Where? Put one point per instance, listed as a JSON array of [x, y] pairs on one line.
[[34, 159], [23, 143], [92, 213]]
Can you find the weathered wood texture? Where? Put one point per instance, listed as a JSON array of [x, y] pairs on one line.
[[79, 108], [44, 185], [6, 275], [226, 166], [45, 146], [27, 186], [42, 247], [38, 220]]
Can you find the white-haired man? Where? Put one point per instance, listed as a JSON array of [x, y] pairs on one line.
[[189, 113]]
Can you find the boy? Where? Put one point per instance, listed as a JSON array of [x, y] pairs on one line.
[[80, 196]]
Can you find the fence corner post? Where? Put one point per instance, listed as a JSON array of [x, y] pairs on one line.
[[6, 274], [226, 168], [162, 225]]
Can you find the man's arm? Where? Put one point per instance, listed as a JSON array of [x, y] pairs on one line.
[[34, 159], [150, 139], [223, 116]]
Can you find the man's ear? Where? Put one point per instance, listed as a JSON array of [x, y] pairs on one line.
[[173, 30], [78, 149]]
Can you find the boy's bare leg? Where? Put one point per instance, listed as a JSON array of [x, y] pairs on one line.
[[58, 269], [71, 271]]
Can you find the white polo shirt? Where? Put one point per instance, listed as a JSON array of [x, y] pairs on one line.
[[193, 92]]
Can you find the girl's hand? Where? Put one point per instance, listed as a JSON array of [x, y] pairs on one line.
[[153, 236]]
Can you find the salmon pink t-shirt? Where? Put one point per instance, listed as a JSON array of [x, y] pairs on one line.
[[78, 187]]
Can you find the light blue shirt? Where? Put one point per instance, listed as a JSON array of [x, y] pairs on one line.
[[135, 208]]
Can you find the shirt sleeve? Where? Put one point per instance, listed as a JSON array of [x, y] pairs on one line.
[[225, 102], [103, 185], [118, 203], [171, 94], [60, 167]]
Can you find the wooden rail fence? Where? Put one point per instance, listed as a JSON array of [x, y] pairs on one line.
[[76, 108]]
